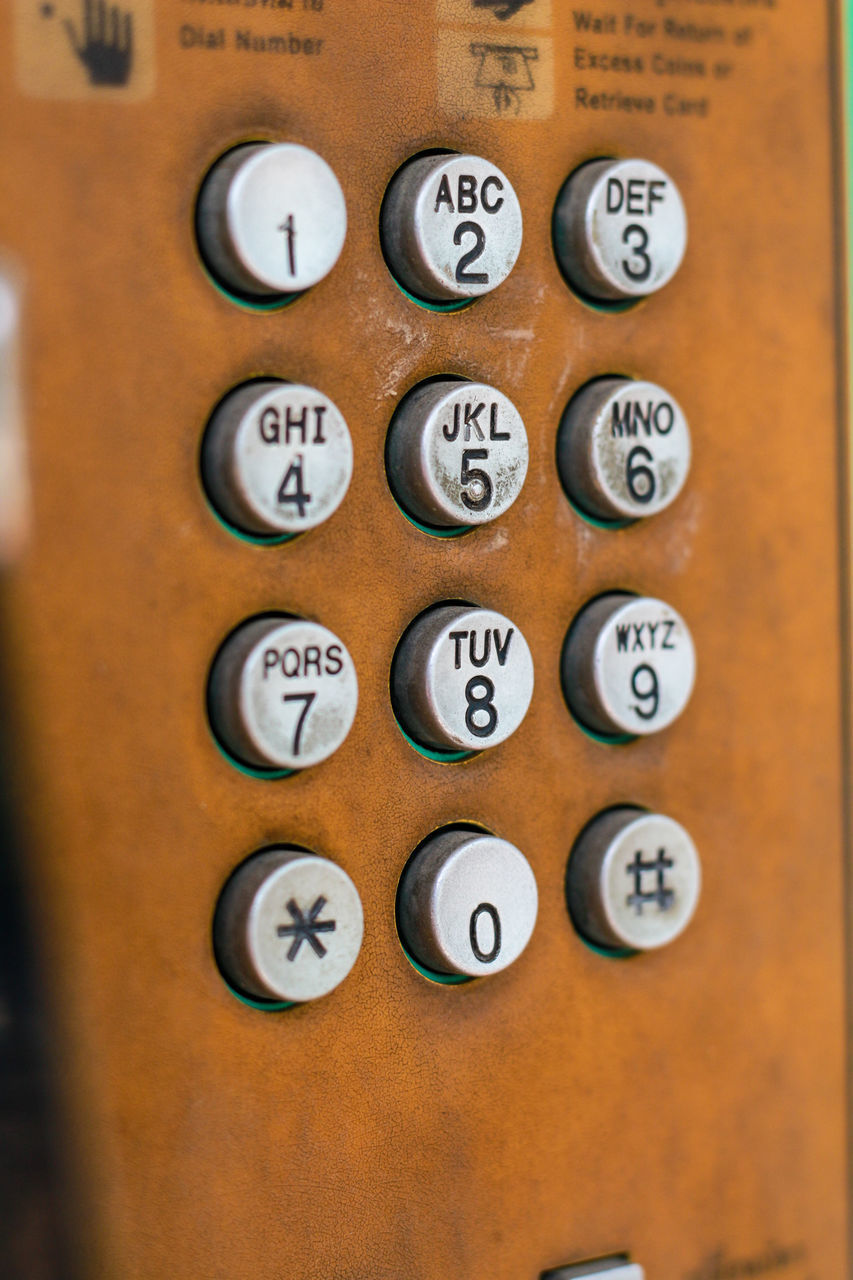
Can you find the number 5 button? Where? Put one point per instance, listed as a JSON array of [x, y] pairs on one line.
[[276, 458], [462, 678], [450, 227], [628, 665], [467, 903], [457, 453], [282, 693]]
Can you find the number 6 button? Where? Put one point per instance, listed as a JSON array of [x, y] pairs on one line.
[[282, 693], [450, 227], [462, 678], [467, 903], [623, 449], [628, 665]]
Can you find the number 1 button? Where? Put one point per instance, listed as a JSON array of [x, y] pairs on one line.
[[467, 903], [271, 220], [450, 227], [282, 693]]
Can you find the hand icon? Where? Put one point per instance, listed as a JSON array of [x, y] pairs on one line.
[[106, 49]]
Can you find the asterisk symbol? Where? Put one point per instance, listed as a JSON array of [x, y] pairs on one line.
[[303, 930]]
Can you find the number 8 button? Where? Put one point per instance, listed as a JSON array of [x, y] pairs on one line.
[[628, 665], [462, 678], [282, 693]]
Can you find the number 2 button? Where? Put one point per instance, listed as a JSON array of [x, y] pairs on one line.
[[450, 226]]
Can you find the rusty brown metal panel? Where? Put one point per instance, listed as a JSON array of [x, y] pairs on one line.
[[686, 1106]]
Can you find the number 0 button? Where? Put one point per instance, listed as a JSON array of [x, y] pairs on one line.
[[462, 678], [620, 229], [457, 453], [628, 665], [467, 903], [450, 227], [271, 219], [623, 449], [282, 693], [288, 926], [276, 458]]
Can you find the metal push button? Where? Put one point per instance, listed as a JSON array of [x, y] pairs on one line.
[[271, 219], [451, 227], [288, 926], [462, 678], [467, 903], [599, 1269], [282, 693], [276, 457], [620, 229], [633, 880], [457, 453], [628, 665], [623, 449]]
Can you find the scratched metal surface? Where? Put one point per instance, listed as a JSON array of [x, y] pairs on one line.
[[686, 1106]]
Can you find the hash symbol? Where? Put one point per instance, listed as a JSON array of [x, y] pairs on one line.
[[303, 930], [661, 894]]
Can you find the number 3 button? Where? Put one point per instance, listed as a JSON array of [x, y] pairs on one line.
[[282, 693], [462, 678], [467, 903]]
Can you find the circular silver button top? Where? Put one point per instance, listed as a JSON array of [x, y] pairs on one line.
[[467, 903], [451, 227], [620, 229], [628, 665], [271, 219], [277, 457], [288, 926], [633, 880], [462, 678], [623, 449], [282, 693], [457, 453]]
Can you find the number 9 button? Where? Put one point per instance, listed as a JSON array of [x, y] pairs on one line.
[[276, 458], [628, 665], [467, 903], [462, 678], [457, 453], [282, 693], [623, 449]]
